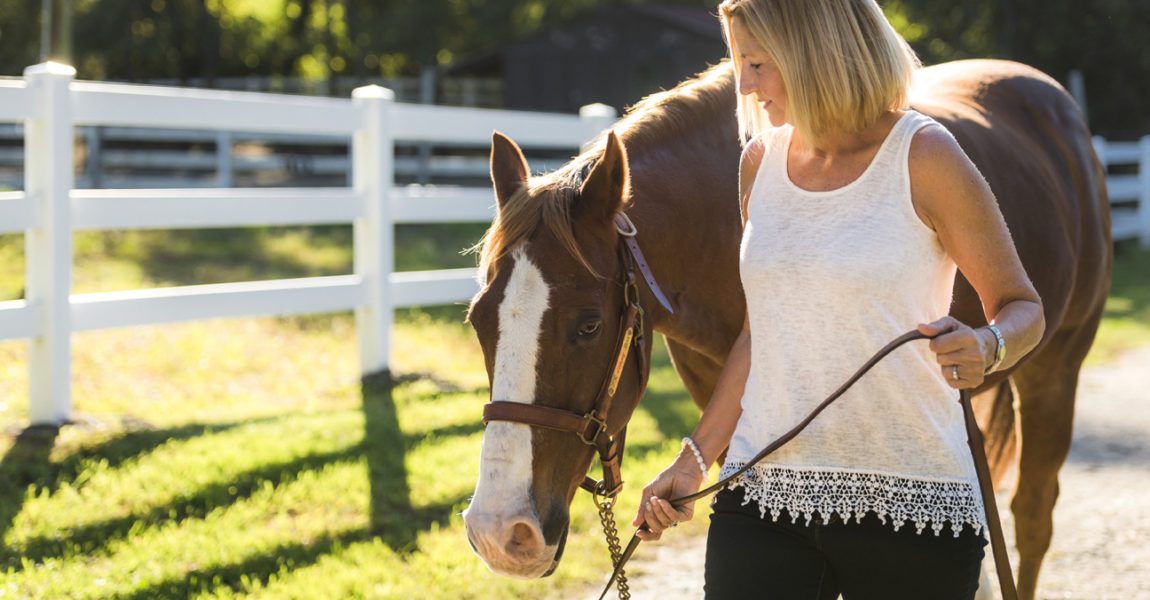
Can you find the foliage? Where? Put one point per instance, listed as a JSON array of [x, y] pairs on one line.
[[1104, 39], [138, 39], [181, 39]]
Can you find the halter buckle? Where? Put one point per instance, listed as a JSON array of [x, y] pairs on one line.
[[596, 427], [621, 220], [608, 495]]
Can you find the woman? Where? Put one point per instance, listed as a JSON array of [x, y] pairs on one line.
[[856, 213]]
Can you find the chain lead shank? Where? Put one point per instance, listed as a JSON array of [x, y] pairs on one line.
[[606, 507]]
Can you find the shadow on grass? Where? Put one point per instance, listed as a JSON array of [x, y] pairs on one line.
[[394, 520], [94, 536], [25, 464], [259, 569]]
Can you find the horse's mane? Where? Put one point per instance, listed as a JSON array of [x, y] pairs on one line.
[[658, 119]]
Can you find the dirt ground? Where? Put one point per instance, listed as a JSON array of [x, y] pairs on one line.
[[1101, 546]]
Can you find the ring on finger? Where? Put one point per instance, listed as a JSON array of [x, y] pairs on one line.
[[954, 372]]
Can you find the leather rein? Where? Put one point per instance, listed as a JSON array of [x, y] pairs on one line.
[[591, 427], [974, 440]]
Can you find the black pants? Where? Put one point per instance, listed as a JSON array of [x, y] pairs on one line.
[[753, 557]]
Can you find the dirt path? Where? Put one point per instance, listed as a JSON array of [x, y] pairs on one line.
[[1101, 547]]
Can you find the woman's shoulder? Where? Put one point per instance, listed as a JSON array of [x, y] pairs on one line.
[[935, 154], [942, 176], [759, 146], [753, 151], [749, 164]]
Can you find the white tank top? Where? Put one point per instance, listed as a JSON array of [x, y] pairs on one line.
[[830, 278]]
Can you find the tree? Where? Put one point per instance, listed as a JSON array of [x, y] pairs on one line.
[[183, 39], [1105, 39]]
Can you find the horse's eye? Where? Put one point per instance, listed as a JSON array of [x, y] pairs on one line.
[[590, 328]]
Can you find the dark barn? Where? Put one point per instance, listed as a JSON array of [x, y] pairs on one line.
[[614, 55]]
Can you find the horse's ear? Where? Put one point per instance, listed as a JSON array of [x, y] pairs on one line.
[[508, 167], [605, 189]]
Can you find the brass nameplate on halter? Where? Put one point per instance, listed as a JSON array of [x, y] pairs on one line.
[[618, 372]]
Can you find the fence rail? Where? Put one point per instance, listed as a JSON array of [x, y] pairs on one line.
[[325, 158], [51, 105], [1129, 193]]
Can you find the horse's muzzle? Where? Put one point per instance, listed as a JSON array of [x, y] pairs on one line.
[[513, 547]]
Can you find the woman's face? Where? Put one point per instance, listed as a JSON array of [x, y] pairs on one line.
[[758, 74]]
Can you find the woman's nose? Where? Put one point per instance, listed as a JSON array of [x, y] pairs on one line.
[[746, 84]]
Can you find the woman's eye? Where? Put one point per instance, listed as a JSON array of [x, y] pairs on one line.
[[756, 66], [590, 328]]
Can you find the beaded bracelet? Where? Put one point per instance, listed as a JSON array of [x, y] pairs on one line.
[[689, 443]]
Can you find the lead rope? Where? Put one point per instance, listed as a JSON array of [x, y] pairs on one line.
[[986, 489], [607, 518], [1006, 581]]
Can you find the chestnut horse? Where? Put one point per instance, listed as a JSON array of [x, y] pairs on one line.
[[548, 317]]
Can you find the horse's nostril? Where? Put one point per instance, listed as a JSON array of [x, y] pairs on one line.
[[526, 541]]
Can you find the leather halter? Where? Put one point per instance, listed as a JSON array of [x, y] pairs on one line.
[[591, 427]]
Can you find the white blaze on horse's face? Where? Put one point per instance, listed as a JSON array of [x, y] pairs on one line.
[[501, 522], [520, 324]]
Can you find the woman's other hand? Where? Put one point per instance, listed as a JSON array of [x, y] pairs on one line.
[[680, 479]]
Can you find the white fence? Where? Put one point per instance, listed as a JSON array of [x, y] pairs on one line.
[[215, 162], [51, 105], [1129, 192]]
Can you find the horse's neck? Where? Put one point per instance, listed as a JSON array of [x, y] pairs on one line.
[[687, 211]]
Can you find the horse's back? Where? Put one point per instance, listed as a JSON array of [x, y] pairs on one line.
[[1031, 142]]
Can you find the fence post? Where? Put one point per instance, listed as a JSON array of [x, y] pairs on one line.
[[94, 165], [225, 168], [372, 176], [1144, 197], [598, 117], [48, 180]]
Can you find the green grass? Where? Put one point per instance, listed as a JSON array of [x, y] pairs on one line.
[[245, 459], [1126, 319]]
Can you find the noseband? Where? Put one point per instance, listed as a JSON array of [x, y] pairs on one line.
[[591, 427]]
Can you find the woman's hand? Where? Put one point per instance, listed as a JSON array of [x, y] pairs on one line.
[[680, 479], [962, 353]]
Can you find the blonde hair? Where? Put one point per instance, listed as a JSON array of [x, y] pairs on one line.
[[842, 63]]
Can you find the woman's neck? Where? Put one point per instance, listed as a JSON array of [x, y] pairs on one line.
[[839, 143]]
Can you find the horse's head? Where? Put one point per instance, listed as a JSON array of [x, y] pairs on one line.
[[549, 322]]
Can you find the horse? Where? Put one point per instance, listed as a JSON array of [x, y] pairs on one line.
[[547, 316]]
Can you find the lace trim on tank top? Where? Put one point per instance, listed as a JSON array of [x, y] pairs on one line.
[[852, 494]]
